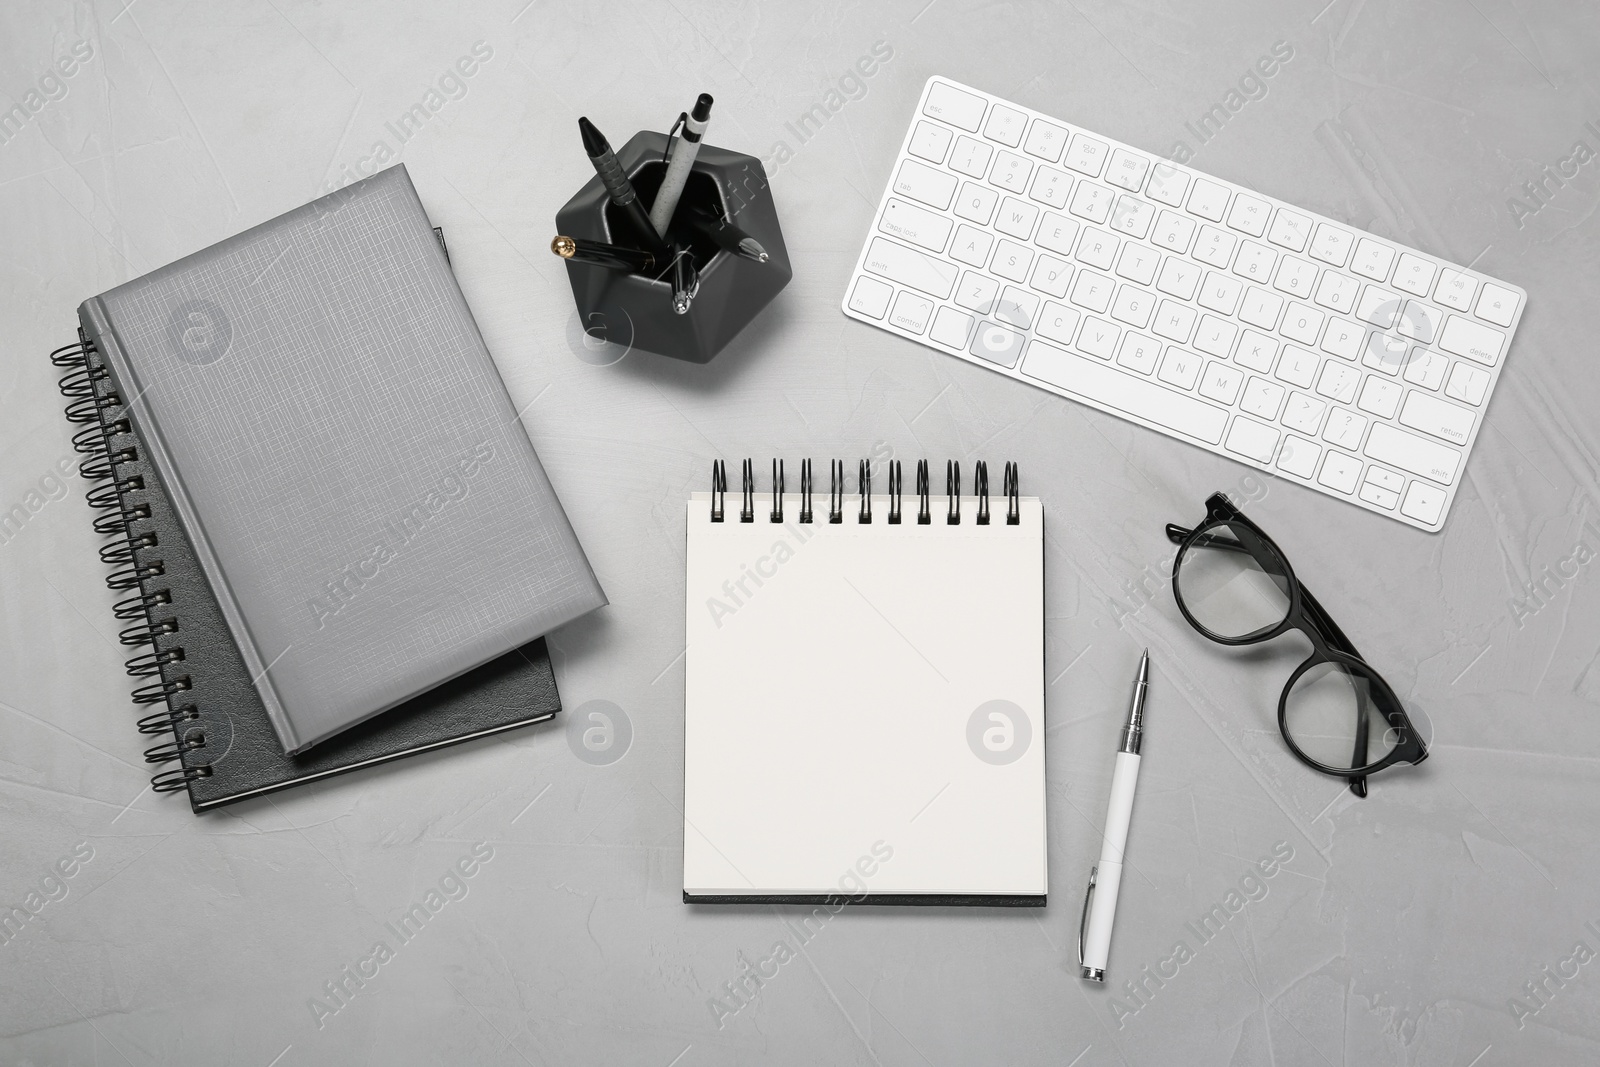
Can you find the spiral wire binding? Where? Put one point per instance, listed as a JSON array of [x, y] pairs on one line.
[[835, 490], [89, 407], [894, 492], [924, 517], [747, 513], [805, 491], [980, 488], [864, 483], [719, 490], [777, 491], [952, 481], [1013, 495]]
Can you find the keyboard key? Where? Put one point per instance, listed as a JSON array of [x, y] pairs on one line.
[[1298, 367], [1016, 218], [1138, 263], [1093, 291], [1385, 352], [1046, 140], [1215, 247], [1011, 261], [1338, 291], [978, 292], [916, 225], [1099, 338], [1428, 413], [971, 157], [923, 183], [1051, 186], [1384, 479], [1418, 455], [1256, 351], [1127, 170], [1011, 172], [949, 104], [1301, 323], [1058, 322], [951, 327], [1425, 368], [1057, 233], [1295, 277], [1120, 391], [1262, 398], [1290, 229], [1340, 472], [931, 142], [1455, 290], [1017, 308], [1092, 202], [1098, 248], [1376, 494], [1167, 185], [901, 264], [1050, 275], [1338, 382], [1208, 200], [1180, 368], [1132, 216], [1260, 308], [1179, 278], [1379, 396], [977, 203], [1423, 503], [1252, 440], [1298, 457], [1254, 262], [998, 344], [1497, 305], [1173, 231], [1139, 353], [1464, 337], [1331, 244], [1215, 336], [1413, 275], [1005, 125], [1304, 413], [1345, 428], [972, 245], [1133, 306], [871, 297], [1220, 383], [1342, 338], [1220, 293], [1249, 215], [1086, 155], [1372, 260], [1467, 384], [1379, 307], [1420, 321], [911, 312]]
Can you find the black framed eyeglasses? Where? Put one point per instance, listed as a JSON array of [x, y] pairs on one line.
[[1235, 586]]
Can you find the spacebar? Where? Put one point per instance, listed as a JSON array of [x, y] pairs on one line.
[[1099, 384]]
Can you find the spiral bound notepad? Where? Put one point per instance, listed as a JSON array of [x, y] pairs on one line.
[[864, 694]]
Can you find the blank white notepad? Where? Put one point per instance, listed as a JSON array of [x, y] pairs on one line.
[[865, 706]]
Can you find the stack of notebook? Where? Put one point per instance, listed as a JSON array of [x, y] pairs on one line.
[[336, 542]]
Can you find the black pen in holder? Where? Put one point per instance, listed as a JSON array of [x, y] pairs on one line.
[[636, 310]]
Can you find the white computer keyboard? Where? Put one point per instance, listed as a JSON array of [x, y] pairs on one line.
[[1225, 318]]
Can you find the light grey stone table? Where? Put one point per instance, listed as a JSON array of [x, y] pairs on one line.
[[1452, 918]]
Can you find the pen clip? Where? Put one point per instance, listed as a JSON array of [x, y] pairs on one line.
[[683, 119], [1083, 920]]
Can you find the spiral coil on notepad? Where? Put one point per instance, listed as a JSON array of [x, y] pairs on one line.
[[837, 490], [96, 406]]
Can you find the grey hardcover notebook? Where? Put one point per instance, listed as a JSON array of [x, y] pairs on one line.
[[341, 451]]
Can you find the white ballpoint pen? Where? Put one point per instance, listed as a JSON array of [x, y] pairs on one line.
[[1094, 928]]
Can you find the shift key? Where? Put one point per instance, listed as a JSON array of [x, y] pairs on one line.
[[901, 264]]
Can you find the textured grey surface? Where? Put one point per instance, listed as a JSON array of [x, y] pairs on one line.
[[1405, 929]]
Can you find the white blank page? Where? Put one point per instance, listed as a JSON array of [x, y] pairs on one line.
[[833, 675]]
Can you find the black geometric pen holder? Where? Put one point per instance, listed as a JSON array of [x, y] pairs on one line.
[[634, 310]]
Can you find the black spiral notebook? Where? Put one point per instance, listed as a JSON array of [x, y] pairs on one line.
[[207, 718]]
